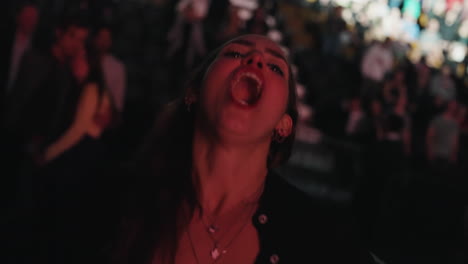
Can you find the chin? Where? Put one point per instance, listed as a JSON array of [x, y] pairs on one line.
[[236, 127]]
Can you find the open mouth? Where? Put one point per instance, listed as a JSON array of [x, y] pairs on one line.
[[246, 87]]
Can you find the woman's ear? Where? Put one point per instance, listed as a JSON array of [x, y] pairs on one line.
[[285, 125]]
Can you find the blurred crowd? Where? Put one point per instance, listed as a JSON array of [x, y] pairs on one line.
[[389, 76]]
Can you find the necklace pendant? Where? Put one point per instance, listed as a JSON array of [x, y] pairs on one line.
[[215, 253], [212, 229]]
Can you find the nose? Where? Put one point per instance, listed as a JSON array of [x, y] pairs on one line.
[[255, 58]]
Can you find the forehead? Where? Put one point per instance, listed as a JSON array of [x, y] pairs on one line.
[[260, 42]]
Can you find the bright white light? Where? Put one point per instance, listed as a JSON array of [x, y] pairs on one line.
[[463, 30], [343, 2], [275, 35], [457, 51], [270, 21], [244, 14], [347, 15], [285, 51]]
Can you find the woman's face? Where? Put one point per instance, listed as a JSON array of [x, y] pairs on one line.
[[244, 93]]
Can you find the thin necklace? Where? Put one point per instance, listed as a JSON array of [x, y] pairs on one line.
[[216, 253], [213, 228]]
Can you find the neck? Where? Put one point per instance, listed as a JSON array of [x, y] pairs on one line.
[[227, 174]]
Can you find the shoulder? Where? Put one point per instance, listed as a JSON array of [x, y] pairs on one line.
[[302, 227], [89, 97], [90, 90], [290, 193], [114, 62], [294, 205]]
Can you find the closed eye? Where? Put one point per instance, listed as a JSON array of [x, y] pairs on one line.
[[275, 68], [234, 54]]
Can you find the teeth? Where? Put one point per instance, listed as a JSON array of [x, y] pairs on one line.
[[255, 77], [243, 102]]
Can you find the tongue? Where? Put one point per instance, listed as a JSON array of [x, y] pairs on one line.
[[245, 91]]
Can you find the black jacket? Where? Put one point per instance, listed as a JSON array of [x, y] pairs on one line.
[[39, 101], [295, 228]]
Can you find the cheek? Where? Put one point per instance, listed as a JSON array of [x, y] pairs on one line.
[[275, 102], [215, 83], [278, 95]]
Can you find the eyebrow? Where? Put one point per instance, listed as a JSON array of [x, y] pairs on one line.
[[276, 54], [268, 50], [244, 42]]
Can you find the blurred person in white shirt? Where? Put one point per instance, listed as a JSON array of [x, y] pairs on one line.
[[113, 70]]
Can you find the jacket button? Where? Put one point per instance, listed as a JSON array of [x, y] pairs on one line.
[[262, 219], [274, 259]]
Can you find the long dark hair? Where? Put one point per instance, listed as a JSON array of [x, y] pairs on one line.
[[155, 220]]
